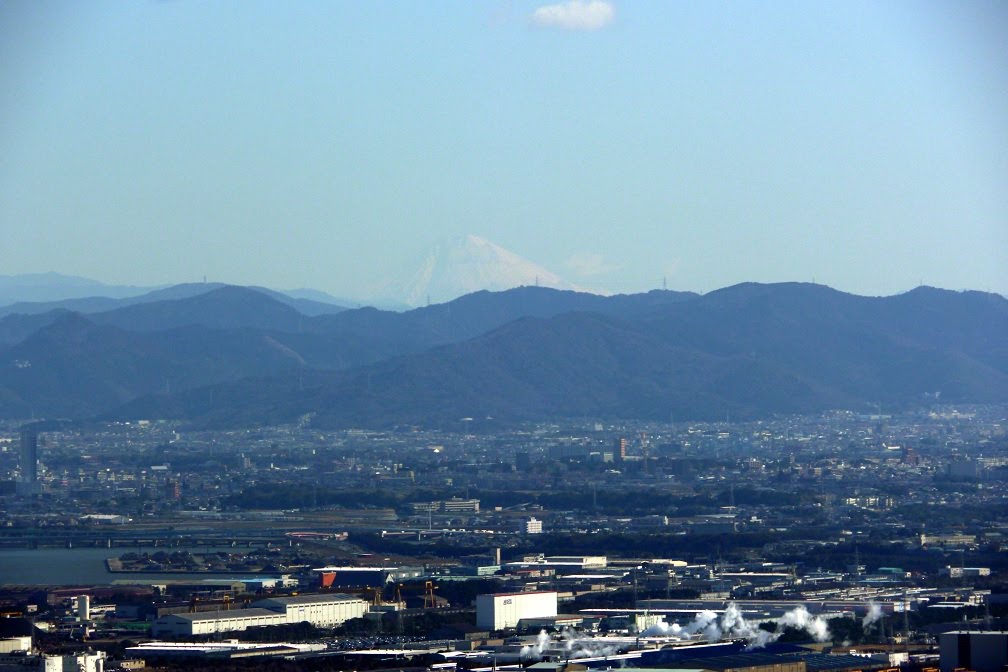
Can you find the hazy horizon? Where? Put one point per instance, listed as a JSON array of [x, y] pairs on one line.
[[386, 302], [617, 145]]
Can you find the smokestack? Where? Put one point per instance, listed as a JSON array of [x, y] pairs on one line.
[[497, 556]]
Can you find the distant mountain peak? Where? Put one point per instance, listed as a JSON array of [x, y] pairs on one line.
[[470, 263], [53, 286]]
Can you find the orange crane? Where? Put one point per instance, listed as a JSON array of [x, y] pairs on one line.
[[429, 595]]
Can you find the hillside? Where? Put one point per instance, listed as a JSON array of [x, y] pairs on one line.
[[61, 363], [745, 351]]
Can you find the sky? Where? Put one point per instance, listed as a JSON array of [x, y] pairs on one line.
[[862, 145]]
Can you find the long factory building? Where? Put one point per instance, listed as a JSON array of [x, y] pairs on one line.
[[319, 610]]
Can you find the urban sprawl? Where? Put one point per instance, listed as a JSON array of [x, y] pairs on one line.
[[839, 541]]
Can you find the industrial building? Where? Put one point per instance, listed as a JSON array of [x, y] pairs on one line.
[[81, 662], [212, 622], [503, 610], [980, 651], [963, 572], [458, 505], [453, 505], [18, 643], [561, 564], [319, 610], [229, 649], [365, 577], [579, 562]]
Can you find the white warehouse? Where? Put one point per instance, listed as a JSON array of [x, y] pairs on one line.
[[319, 610], [504, 610], [213, 622], [325, 611]]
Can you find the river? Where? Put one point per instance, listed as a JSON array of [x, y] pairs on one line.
[[82, 566]]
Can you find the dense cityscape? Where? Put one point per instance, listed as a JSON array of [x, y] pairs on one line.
[[878, 530], [503, 336]]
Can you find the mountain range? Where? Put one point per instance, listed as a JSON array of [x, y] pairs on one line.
[[466, 264], [450, 268], [64, 295], [47, 287], [233, 356]]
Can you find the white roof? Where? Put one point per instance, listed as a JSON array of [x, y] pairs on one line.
[[230, 614], [355, 569], [288, 600]]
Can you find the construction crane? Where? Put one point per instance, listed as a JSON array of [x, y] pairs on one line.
[[429, 595]]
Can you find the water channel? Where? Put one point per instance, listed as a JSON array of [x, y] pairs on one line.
[[85, 566]]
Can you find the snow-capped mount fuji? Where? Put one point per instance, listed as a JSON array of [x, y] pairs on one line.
[[469, 264]]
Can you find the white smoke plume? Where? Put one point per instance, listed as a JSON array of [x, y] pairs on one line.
[[585, 647], [572, 646], [707, 625], [536, 650], [663, 629], [801, 619], [873, 615], [733, 625]]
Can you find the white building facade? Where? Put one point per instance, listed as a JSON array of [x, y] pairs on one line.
[[504, 610], [82, 662], [323, 611], [214, 622]]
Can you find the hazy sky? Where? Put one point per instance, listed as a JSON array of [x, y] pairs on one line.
[[323, 144]]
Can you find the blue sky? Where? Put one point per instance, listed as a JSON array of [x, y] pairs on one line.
[[860, 144]]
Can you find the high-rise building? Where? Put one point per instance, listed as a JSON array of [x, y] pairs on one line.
[[620, 448], [29, 456], [28, 463]]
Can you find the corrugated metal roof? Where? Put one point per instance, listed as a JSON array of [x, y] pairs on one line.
[[826, 662], [225, 615], [288, 600], [749, 659]]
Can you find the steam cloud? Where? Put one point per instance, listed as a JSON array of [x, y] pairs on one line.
[[733, 625], [570, 643], [707, 625], [874, 614]]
